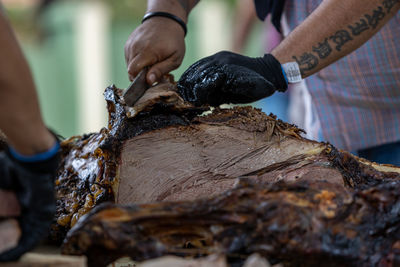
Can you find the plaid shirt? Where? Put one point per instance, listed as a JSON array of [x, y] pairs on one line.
[[358, 97]]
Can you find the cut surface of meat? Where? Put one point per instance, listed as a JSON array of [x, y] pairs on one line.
[[188, 162]]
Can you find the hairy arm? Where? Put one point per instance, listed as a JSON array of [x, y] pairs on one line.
[[333, 30]]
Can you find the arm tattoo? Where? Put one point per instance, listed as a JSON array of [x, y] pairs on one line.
[[359, 27], [373, 20], [340, 38], [388, 4], [307, 62], [323, 49]]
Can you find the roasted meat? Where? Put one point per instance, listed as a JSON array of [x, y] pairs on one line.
[[305, 223], [167, 152], [89, 172], [230, 181]]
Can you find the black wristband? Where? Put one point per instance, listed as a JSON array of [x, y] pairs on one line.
[[166, 15]]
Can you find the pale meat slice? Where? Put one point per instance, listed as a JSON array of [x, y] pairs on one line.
[[158, 95], [164, 94], [10, 231]]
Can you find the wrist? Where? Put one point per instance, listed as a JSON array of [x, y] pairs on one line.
[[37, 157], [32, 140], [284, 75], [41, 161], [274, 72], [291, 71], [167, 15], [172, 7], [45, 162]]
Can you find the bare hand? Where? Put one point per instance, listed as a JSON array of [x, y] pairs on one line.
[[159, 43]]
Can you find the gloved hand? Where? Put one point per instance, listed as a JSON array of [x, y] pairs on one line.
[[33, 183], [227, 77]]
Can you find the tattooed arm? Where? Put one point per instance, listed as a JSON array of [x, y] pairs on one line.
[[333, 30], [159, 41]]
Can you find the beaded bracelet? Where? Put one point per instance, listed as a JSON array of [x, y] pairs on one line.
[[166, 15]]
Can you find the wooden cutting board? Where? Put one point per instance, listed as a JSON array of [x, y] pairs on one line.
[[46, 256]]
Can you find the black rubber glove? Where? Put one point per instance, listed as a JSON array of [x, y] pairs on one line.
[[227, 77], [33, 183]]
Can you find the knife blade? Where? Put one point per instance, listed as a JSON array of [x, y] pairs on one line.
[[136, 89]]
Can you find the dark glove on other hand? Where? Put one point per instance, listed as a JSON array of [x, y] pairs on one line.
[[33, 183], [227, 77]]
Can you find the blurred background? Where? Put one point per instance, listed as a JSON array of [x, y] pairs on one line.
[[76, 49]]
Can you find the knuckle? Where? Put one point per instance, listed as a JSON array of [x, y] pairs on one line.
[[175, 62]]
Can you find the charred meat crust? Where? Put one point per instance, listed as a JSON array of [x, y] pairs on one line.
[[301, 224]]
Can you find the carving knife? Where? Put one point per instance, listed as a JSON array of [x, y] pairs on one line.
[[136, 89]]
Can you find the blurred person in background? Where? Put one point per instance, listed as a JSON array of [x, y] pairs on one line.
[[357, 98], [29, 162], [245, 20], [294, 105]]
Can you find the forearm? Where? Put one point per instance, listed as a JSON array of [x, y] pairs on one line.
[[333, 30], [15, 77], [243, 22], [180, 8], [20, 117]]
